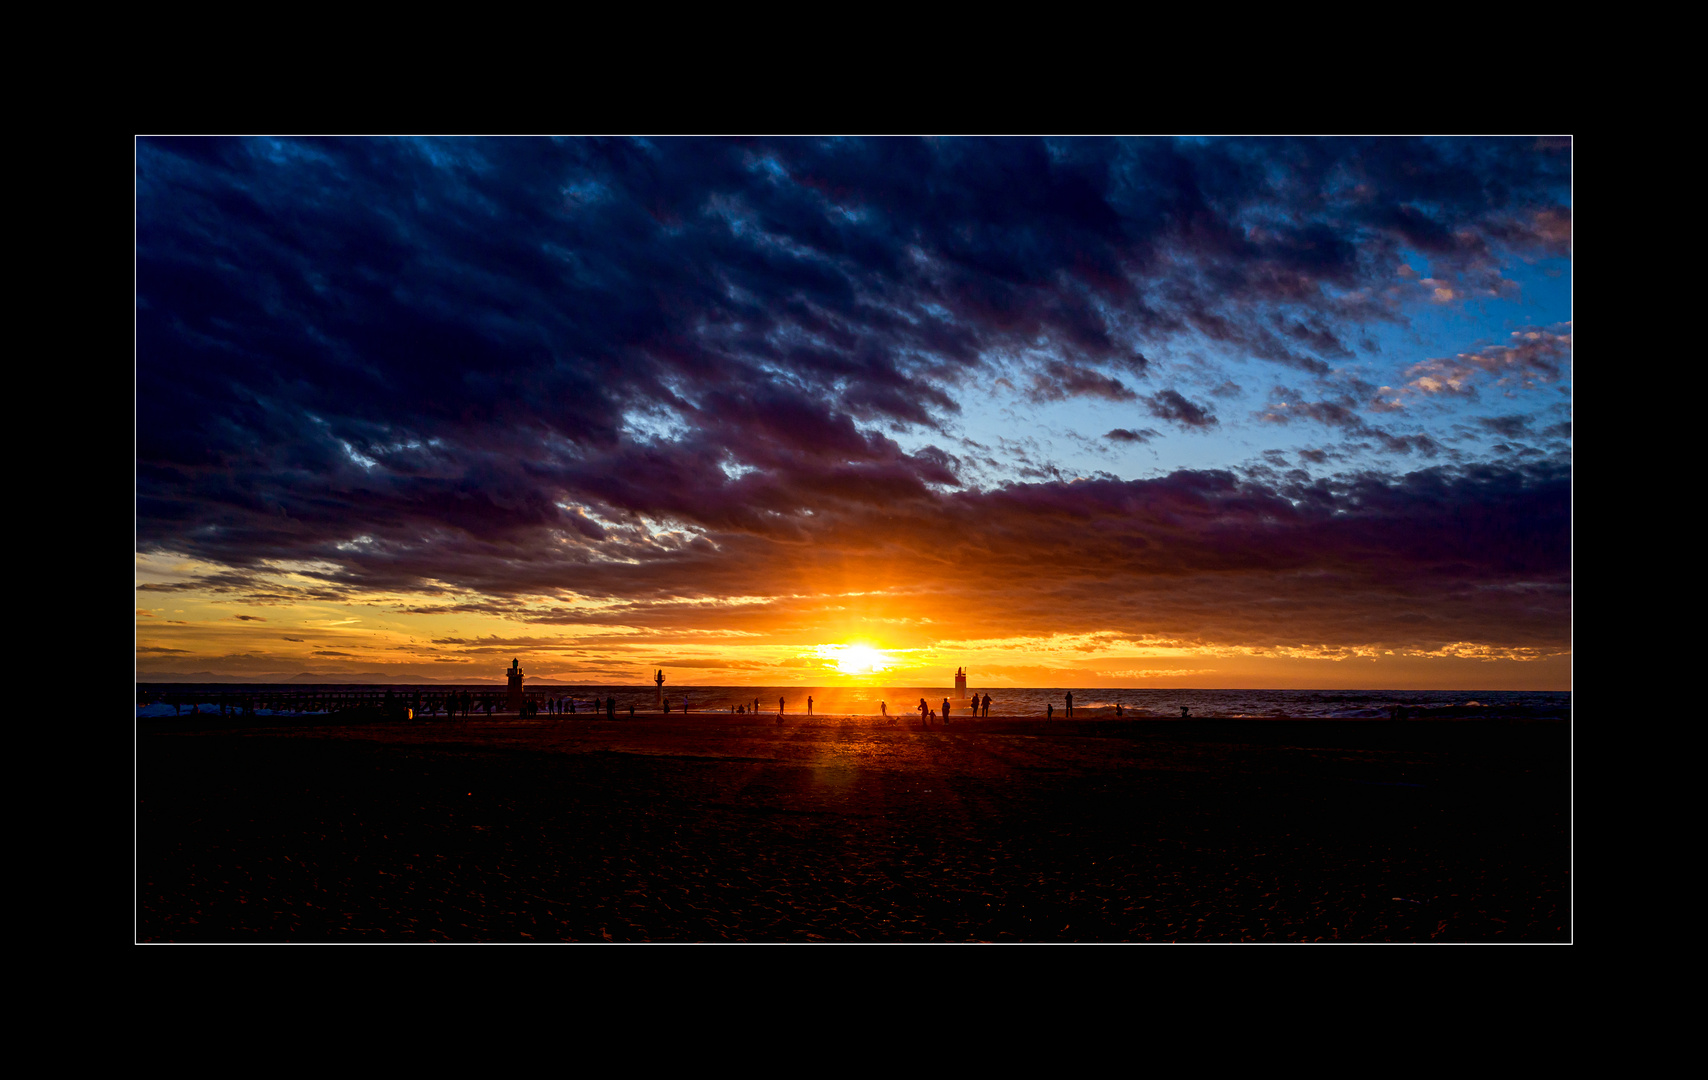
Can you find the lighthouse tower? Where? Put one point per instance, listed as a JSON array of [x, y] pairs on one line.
[[514, 701], [960, 683]]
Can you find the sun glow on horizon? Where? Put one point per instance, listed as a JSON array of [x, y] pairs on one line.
[[856, 658]]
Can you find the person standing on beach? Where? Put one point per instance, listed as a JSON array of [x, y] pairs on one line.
[[1049, 710], [987, 706], [884, 709], [945, 710], [924, 713], [809, 704], [1070, 705]]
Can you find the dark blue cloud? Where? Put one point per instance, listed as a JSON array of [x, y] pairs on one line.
[[462, 346], [1170, 405]]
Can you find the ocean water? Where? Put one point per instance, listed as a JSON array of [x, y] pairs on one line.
[[1089, 702]]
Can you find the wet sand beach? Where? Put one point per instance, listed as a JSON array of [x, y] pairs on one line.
[[713, 828]]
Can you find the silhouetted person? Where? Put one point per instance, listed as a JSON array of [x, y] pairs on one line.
[[1070, 705], [1049, 710], [610, 708], [809, 704], [1185, 711], [779, 706], [945, 710], [987, 706], [924, 713], [884, 709]]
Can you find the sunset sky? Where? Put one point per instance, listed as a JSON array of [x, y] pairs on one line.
[[1069, 412]]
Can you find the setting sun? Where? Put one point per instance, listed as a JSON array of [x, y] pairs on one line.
[[856, 659]]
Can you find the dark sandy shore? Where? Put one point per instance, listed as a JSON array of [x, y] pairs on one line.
[[713, 828]]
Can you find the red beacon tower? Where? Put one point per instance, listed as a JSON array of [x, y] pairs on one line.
[[515, 699]]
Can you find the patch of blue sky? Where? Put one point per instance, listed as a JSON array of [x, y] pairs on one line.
[[1438, 331]]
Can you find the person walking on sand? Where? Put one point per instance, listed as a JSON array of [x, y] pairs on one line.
[[1070, 705], [924, 713]]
